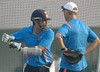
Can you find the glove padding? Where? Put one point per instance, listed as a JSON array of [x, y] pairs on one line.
[[7, 38], [15, 45], [72, 56]]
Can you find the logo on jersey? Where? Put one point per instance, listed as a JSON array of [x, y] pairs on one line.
[[40, 38]]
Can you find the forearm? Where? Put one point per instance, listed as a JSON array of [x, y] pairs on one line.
[[36, 50], [33, 50], [60, 42], [92, 45]]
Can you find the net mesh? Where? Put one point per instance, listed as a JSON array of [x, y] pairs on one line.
[[17, 14]]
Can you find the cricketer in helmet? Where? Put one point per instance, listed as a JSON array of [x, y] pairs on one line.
[[37, 40], [39, 18]]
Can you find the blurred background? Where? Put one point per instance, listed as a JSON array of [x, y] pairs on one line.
[[15, 14]]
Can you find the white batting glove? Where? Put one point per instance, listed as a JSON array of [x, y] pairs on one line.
[[7, 38], [15, 45]]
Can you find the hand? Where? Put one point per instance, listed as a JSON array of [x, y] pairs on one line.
[[64, 49], [15, 45], [7, 38], [71, 53], [68, 52]]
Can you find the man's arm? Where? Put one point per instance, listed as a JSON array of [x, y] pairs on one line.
[[36, 50], [66, 51], [60, 41], [92, 45]]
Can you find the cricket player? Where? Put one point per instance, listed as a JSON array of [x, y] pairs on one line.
[[74, 35], [38, 39]]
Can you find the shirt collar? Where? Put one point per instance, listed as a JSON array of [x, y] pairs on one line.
[[31, 29]]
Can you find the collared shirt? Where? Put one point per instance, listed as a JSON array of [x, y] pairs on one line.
[[44, 38], [75, 36]]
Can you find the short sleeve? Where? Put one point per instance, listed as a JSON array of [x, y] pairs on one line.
[[91, 35], [47, 39], [18, 35], [63, 30]]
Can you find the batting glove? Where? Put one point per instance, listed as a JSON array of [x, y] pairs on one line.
[[7, 38], [15, 45]]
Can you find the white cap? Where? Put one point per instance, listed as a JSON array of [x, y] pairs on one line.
[[70, 6]]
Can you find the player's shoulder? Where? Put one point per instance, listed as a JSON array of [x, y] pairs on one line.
[[49, 31], [27, 28], [66, 25], [83, 24], [79, 22]]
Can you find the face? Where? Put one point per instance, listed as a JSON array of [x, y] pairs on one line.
[[66, 14], [42, 24]]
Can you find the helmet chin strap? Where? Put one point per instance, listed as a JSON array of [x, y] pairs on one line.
[[41, 26], [33, 23]]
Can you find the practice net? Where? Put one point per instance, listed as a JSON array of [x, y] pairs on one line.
[[15, 14]]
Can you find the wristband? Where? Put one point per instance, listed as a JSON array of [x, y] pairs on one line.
[[62, 49]]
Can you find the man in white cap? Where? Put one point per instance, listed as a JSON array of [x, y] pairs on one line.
[[73, 36]]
